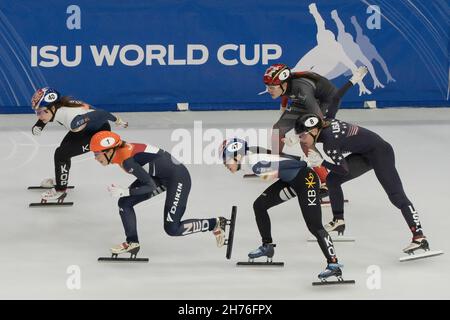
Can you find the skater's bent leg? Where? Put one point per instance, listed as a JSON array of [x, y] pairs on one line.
[[62, 167], [175, 206], [274, 195], [357, 165], [128, 216], [306, 184]]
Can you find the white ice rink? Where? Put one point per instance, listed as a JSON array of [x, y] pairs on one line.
[[40, 244]]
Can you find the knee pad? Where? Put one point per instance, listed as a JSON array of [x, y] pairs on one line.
[[261, 204], [287, 193], [61, 155], [124, 202], [258, 205], [171, 228]]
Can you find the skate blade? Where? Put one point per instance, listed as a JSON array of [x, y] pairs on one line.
[[327, 283], [45, 188], [326, 203], [261, 264], [51, 204], [110, 259], [425, 254], [335, 239], [232, 225]]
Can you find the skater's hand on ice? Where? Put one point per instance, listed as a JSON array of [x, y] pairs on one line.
[[314, 159], [120, 123], [291, 141], [118, 192]]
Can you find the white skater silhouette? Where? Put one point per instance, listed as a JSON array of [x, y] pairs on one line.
[[352, 50], [328, 58], [369, 50]]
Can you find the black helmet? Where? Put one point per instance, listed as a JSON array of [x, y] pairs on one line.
[[307, 122]]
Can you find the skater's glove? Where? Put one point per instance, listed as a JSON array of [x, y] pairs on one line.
[[36, 130], [120, 123], [314, 159], [291, 141], [118, 192]]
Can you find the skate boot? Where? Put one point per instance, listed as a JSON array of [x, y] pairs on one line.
[[358, 75], [332, 269], [48, 183], [219, 231], [266, 250], [417, 243], [53, 196], [337, 225], [130, 247]]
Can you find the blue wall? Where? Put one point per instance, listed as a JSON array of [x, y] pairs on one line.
[[231, 43]]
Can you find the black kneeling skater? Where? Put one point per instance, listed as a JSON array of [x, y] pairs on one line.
[[367, 151], [293, 178], [156, 171]]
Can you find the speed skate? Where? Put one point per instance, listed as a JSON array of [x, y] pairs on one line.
[[327, 203], [335, 238], [52, 198], [265, 250], [422, 245], [45, 188], [332, 270], [124, 248], [339, 280], [59, 202], [333, 227], [231, 223]]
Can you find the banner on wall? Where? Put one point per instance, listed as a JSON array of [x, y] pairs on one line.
[[150, 55]]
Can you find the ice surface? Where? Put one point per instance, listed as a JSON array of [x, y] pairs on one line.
[[40, 244]]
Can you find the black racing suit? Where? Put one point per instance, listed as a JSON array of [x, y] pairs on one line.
[[367, 151], [295, 179], [309, 92], [156, 170]]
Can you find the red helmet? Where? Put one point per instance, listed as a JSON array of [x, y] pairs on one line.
[[104, 140], [276, 74]]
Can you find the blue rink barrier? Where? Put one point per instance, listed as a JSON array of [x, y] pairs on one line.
[[150, 55]]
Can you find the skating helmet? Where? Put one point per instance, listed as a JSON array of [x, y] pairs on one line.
[[307, 122], [104, 140], [44, 97], [276, 74], [232, 147]]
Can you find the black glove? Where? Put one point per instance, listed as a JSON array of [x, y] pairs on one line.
[[38, 127]]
